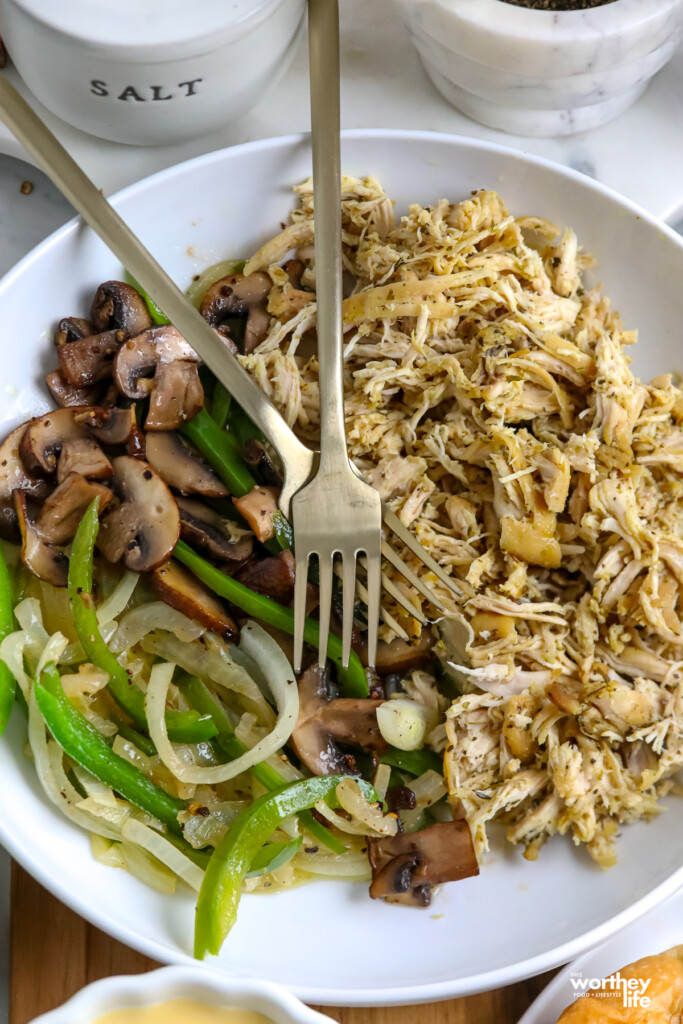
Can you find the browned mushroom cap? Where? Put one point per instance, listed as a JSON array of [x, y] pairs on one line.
[[44, 560], [118, 306], [90, 360], [72, 328], [407, 865], [204, 529], [255, 454], [399, 657], [258, 507], [83, 455], [179, 588], [67, 395], [143, 527], [182, 467], [323, 722], [63, 510], [175, 391], [273, 577], [108, 426], [45, 437], [240, 296], [13, 476]]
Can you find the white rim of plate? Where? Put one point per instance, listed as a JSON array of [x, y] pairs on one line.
[[432, 991]]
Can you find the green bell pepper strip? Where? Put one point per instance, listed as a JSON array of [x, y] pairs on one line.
[[242, 426], [415, 762], [221, 889], [200, 696], [221, 405], [221, 451], [183, 726], [157, 314], [84, 745], [283, 532], [138, 739], [8, 684], [273, 856], [354, 681]]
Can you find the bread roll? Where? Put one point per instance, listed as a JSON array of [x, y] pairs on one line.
[[665, 991]]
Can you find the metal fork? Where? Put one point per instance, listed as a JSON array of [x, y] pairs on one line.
[[298, 462], [336, 515]]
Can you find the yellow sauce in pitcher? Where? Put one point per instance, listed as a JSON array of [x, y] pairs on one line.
[[182, 1011]]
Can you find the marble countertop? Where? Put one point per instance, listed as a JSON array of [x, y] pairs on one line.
[[639, 154]]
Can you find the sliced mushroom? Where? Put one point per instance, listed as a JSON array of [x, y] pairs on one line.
[[240, 296], [45, 437], [405, 867], [273, 577], [44, 560], [72, 328], [205, 529], [66, 394], [143, 528], [399, 657], [258, 508], [63, 510], [181, 466], [255, 454], [91, 359], [118, 306], [177, 396], [322, 722], [85, 457], [108, 426], [13, 476], [180, 589], [175, 390]]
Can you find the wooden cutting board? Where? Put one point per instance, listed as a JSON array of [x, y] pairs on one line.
[[53, 953]]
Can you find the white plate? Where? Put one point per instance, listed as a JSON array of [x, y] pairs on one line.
[[658, 931], [328, 941]]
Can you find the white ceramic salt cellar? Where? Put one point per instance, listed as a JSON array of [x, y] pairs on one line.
[[150, 73], [539, 72]]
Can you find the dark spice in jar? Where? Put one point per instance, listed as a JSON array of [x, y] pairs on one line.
[[559, 5]]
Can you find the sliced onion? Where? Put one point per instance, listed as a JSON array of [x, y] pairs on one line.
[[116, 603], [428, 788], [403, 723], [148, 869], [88, 680], [106, 852], [12, 653], [272, 662], [140, 621], [213, 665], [93, 787], [52, 651], [135, 832], [115, 816], [382, 779], [51, 774], [354, 867], [30, 617], [351, 798]]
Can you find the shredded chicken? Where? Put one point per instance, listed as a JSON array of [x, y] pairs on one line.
[[490, 400]]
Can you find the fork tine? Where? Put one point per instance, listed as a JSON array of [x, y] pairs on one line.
[[405, 570], [400, 599], [348, 602], [374, 587], [325, 565], [384, 615], [457, 587], [300, 587]]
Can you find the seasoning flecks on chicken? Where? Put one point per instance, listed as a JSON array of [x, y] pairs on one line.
[[489, 398]]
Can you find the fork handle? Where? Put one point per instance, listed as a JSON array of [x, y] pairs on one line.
[[323, 28], [83, 195]]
